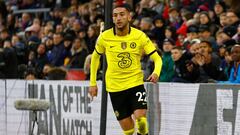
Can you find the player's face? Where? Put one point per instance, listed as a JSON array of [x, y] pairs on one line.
[[121, 17]]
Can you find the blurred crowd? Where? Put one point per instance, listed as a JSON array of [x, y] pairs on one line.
[[197, 39]]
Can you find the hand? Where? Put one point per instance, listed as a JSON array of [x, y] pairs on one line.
[[153, 78], [189, 67], [199, 59], [93, 91]]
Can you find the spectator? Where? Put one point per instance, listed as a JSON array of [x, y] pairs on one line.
[[206, 20], [168, 63], [4, 35], [58, 50], [194, 47], [20, 49], [235, 74], [159, 30], [68, 39], [45, 71], [185, 70], [209, 63], [192, 33], [232, 19], [226, 62], [56, 74], [92, 34], [41, 60], [205, 34], [170, 32], [10, 59], [223, 20], [146, 24], [26, 21], [219, 8], [79, 54], [236, 37], [174, 18]]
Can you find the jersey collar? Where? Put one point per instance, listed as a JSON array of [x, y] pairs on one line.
[[114, 30]]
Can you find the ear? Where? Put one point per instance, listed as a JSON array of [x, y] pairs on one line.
[[129, 17], [210, 50]]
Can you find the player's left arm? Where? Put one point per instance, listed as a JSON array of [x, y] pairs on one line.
[[157, 67], [150, 50]]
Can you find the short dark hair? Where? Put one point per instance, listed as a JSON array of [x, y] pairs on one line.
[[123, 5], [180, 48]]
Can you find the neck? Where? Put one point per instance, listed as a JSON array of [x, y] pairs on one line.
[[123, 31]]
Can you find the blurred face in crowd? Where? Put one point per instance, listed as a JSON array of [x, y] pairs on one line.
[[25, 17], [59, 28], [46, 69], [82, 34], [205, 48], [10, 18], [76, 44], [144, 3], [145, 25], [196, 17], [227, 57], [222, 51], [181, 38], [7, 44], [204, 34], [15, 39], [238, 29], [192, 35], [36, 21], [173, 15], [31, 55], [65, 20], [204, 19], [222, 37], [4, 35], [167, 47], [121, 18], [57, 39], [176, 54], [231, 18], [41, 49], [218, 9], [223, 20], [49, 43], [90, 32], [67, 43], [235, 53], [194, 48], [30, 77], [158, 23], [168, 33], [76, 25]]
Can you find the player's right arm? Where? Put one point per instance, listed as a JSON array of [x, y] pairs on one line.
[[95, 61], [93, 74]]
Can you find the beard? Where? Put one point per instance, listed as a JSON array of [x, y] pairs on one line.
[[121, 28]]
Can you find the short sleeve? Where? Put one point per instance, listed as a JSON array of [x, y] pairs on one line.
[[100, 49], [148, 46]]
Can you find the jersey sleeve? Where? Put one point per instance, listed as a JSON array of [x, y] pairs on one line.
[[148, 46], [100, 48]]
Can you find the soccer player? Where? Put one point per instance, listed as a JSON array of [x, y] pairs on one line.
[[124, 46]]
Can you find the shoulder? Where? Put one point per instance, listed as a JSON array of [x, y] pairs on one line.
[[137, 33], [107, 34]]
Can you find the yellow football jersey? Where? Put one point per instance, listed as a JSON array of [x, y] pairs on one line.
[[123, 54]]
